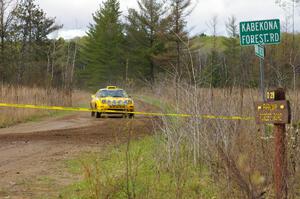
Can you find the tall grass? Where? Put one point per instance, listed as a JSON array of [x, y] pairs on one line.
[[36, 96], [239, 154], [194, 157]]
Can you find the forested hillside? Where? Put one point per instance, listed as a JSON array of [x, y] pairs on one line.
[[149, 43], [153, 43], [193, 134]]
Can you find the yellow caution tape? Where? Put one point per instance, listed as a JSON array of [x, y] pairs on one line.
[[78, 109]]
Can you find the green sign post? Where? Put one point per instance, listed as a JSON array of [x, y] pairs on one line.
[[260, 32]]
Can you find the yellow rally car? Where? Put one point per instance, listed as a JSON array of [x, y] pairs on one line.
[[111, 98]]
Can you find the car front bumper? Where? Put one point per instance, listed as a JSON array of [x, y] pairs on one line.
[[116, 109]]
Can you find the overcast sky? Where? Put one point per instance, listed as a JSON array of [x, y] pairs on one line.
[[76, 15]]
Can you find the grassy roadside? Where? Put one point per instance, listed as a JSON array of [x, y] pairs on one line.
[[36, 118], [133, 170], [13, 116], [155, 102], [37, 96], [43, 114], [138, 169]]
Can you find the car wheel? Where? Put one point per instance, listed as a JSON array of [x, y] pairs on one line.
[[93, 112], [131, 116], [98, 115]]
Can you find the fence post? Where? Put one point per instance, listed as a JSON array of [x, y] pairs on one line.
[[280, 167]]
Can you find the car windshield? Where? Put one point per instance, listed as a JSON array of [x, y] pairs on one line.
[[112, 93]]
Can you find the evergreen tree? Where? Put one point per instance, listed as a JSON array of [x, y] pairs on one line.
[[145, 33], [214, 70], [178, 34], [232, 53], [31, 27], [6, 19], [103, 51]]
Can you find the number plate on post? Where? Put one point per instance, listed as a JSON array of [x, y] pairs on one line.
[[277, 112]]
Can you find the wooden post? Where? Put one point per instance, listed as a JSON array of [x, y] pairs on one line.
[[280, 167]]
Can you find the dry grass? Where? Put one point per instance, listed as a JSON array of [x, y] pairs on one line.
[[194, 157], [239, 154], [36, 96]]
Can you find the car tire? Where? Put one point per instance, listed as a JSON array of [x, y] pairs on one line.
[[93, 112], [131, 116], [98, 115]]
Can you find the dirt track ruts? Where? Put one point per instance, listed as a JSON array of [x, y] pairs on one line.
[[35, 151]]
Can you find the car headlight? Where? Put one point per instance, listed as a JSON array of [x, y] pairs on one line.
[[103, 101]]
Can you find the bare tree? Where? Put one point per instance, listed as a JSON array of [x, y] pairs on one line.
[[289, 7], [232, 27], [6, 18], [179, 12], [214, 68], [212, 24]]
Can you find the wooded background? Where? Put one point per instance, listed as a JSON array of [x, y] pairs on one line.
[[149, 44], [152, 48]]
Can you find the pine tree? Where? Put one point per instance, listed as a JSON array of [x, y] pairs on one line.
[[103, 50], [145, 33], [232, 53], [6, 18], [177, 33], [31, 27]]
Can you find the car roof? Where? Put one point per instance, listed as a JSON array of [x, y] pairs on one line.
[[111, 88]]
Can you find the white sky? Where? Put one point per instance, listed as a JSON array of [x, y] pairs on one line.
[[76, 15]]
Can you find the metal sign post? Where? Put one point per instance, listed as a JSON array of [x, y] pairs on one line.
[[260, 52], [275, 110], [258, 33], [262, 78]]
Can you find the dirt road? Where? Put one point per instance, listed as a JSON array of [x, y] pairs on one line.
[[33, 155]]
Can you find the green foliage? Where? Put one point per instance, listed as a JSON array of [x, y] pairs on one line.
[[134, 171], [178, 36], [26, 43], [152, 43], [145, 42], [232, 54], [103, 52], [33, 22], [205, 43]]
